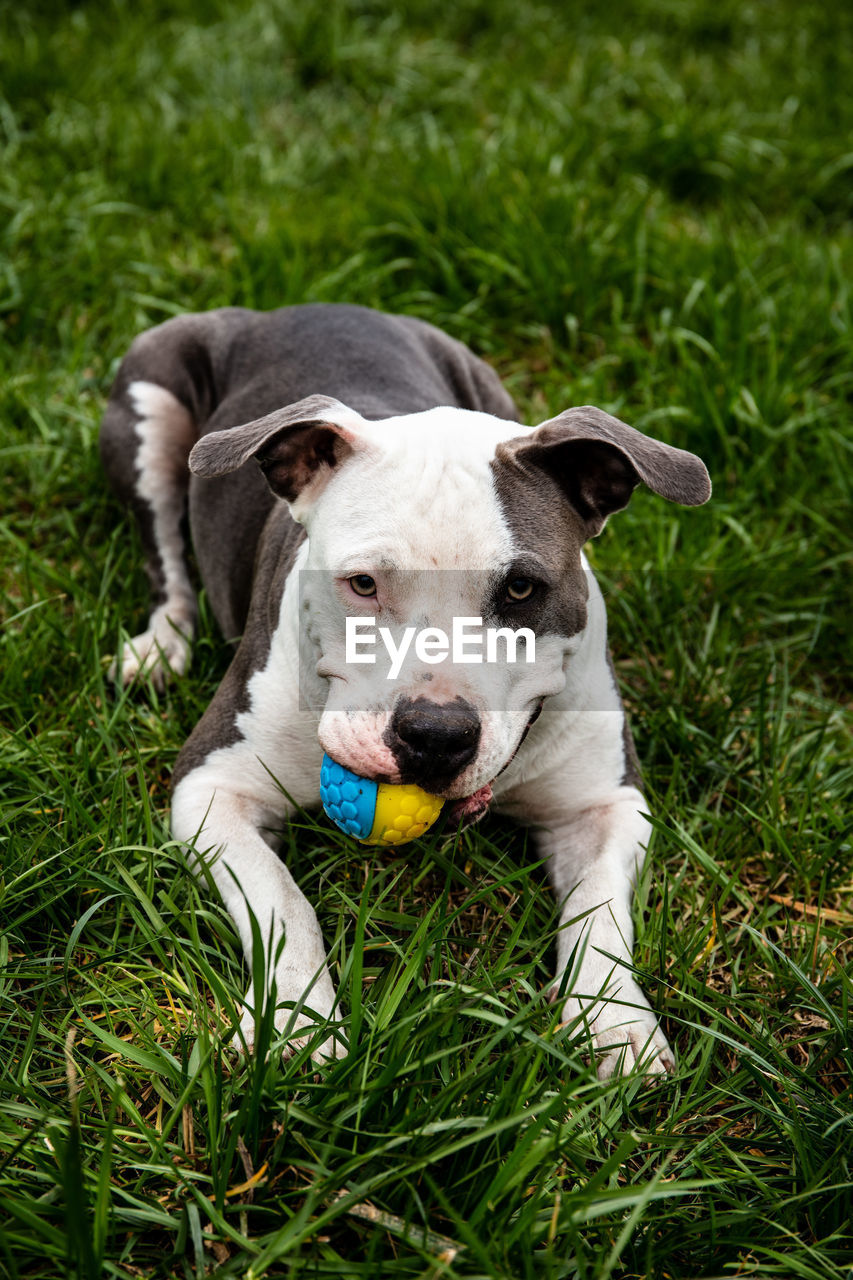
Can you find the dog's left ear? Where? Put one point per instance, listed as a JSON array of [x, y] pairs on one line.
[[298, 447], [598, 461]]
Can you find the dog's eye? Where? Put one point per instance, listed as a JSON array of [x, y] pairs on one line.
[[520, 588], [362, 584]]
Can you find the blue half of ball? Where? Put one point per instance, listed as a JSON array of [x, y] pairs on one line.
[[350, 801]]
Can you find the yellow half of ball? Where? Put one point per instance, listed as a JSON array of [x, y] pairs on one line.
[[402, 813]]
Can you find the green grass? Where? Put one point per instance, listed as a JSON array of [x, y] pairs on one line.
[[643, 206]]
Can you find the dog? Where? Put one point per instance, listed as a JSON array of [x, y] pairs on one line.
[[394, 481]]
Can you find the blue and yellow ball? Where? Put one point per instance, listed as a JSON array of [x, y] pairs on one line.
[[376, 812]]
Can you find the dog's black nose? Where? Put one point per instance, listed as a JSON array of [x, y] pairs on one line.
[[432, 742]]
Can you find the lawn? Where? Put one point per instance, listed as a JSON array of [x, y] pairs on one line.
[[643, 206]]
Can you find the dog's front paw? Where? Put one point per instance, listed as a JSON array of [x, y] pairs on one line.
[[625, 1033], [300, 1028]]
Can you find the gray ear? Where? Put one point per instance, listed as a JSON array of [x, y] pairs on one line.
[[598, 461], [294, 445]]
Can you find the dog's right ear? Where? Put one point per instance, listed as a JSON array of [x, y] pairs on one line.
[[298, 448]]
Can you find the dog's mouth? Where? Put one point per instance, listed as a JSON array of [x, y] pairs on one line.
[[470, 809]]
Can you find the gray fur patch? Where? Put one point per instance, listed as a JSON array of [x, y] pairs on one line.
[[217, 728], [548, 535]]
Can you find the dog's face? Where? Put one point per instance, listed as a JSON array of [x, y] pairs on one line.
[[420, 525], [411, 532]]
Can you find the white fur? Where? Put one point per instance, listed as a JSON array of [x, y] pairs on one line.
[[166, 435], [223, 827]]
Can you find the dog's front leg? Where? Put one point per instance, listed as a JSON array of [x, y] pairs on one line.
[[223, 829], [593, 861]]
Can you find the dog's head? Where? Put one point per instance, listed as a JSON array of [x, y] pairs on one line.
[[423, 524]]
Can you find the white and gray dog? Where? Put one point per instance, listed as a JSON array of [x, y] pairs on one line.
[[395, 483]]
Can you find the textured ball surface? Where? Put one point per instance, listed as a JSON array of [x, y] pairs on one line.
[[350, 801], [403, 813], [375, 813]]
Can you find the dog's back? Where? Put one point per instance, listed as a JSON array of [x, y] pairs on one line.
[[200, 373]]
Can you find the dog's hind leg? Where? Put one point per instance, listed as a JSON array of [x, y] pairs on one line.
[[146, 437]]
